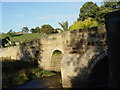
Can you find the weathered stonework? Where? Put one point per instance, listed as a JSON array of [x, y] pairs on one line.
[[81, 49], [12, 52]]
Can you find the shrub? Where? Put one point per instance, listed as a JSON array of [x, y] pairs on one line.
[[47, 29], [87, 23]]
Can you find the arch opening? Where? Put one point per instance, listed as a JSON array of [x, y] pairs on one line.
[[56, 60], [98, 77]]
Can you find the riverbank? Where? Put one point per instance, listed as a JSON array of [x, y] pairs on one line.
[[45, 82], [19, 72]]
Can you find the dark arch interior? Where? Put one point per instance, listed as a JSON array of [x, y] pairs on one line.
[[56, 61], [36, 53], [98, 77]]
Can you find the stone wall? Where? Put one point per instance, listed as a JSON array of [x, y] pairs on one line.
[[30, 50], [12, 52], [80, 49], [85, 45], [26, 51]]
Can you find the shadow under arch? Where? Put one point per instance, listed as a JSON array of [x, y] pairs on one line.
[[56, 58], [98, 74]]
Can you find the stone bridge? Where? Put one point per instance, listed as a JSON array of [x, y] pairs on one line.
[[82, 50], [84, 56]]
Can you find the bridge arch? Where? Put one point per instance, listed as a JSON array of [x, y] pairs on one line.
[[55, 59], [98, 71], [95, 60]]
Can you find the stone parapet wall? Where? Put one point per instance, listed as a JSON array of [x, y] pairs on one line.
[[12, 52]]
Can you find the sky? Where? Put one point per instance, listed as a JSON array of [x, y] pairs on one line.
[[16, 15]]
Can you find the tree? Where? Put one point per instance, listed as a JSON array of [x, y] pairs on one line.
[[64, 25], [47, 29], [25, 29], [32, 30], [104, 9], [88, 9], [87, 23], [35, 30], [11, 32]]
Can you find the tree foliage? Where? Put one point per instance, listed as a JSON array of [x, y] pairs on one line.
[[87, 23], [11, 32], [47, 29], [35, 30], [90, 9], [25, 29], [64, 25], [104, 9]]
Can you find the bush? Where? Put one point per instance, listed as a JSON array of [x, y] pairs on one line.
[[42, 73], [19, 78], [87, 23], [47, 29]]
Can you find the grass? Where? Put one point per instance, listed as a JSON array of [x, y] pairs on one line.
[[23, 37], [16, 72], [57, 53]]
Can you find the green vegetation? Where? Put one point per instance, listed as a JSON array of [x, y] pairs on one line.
[[90, 9], [91, 15], [36, 30], [57, 53], [25, 29], [19, 72], [64, 25], [87, 23], [47, 29], [11, 33], [23, 37]]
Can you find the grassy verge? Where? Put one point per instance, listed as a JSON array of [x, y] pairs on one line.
[[23, 37], [20, 72]]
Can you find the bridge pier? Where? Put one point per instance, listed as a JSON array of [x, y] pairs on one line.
[[73, 72]]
